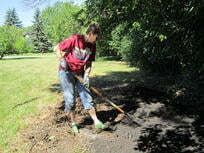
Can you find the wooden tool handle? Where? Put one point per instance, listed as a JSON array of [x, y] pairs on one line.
[[98, 93]]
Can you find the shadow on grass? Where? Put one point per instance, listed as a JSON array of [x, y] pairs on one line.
[[20, 57], [130, 84], [55, 88], [109, 58], [25, 102]]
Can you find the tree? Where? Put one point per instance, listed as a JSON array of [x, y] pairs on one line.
[[2, 42], [60, 20], [11, 18], [160, 36], [40, 41], [109, 14]]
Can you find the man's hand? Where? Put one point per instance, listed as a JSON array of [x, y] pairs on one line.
[[86, 80], [63, 63]]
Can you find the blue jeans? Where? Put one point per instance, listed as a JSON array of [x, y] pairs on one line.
[[68, 84]]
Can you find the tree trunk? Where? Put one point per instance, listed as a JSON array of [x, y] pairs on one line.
[[1, 55]]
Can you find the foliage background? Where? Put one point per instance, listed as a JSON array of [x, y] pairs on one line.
[[158, 36]]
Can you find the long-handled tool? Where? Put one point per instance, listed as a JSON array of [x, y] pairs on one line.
[[105, 98]]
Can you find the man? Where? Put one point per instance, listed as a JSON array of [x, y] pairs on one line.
[[79, 52]]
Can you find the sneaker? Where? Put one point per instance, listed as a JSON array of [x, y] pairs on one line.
[[75, 129], [100, 126]]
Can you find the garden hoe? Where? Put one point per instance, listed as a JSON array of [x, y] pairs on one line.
[[105, 98]]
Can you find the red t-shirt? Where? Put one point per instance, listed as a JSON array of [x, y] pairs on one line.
[[78, 52]]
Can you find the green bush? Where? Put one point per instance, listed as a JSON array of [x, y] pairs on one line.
[[12, 41], [23, 46]]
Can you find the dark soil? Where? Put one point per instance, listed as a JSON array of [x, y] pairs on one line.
[[160, 126]]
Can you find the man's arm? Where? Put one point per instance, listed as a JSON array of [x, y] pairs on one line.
[[58, 52], [88, 68], [87, 73]]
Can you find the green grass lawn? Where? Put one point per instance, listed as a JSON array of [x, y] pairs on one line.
[[24, 81], [26, 85]]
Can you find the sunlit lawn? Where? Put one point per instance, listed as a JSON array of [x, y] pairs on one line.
[[26, 82], [25, 87]]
